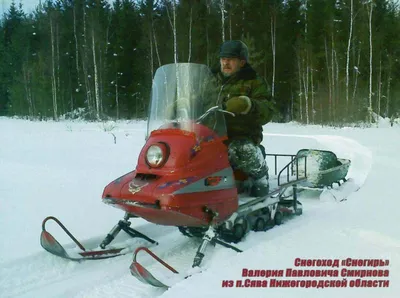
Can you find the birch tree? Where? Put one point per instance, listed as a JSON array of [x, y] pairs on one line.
[[53, 69], [172, 21], [273, 48], [306, 62], [389, 80], [76, 47], [96, 77], [379, 86], [222, 9], [370, 7], [28, 91], [190, 32], [148, 6], [330, 83], [85, 63], [348, 53]]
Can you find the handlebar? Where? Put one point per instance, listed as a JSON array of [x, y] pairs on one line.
[[211, 110]]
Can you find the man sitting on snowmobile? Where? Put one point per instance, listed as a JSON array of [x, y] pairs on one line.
[[244, 93]]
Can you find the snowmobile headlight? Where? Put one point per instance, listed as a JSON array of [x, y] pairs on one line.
[[156, 155]]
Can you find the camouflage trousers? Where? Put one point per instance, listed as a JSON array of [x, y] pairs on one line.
[[244, 155]]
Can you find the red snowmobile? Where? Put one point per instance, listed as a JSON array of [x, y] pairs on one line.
[[183, 177]]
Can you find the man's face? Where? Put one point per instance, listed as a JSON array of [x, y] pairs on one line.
[[230, 66]]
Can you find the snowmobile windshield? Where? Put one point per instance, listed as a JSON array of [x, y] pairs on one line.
[[181, 94]]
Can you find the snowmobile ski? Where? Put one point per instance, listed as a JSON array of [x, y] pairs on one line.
[[209, 237], [142, 274], [50, 244]]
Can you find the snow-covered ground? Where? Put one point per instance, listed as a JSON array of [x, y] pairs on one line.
[[60, 169]]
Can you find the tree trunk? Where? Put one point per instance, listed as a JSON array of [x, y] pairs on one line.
[[96, 78], [300, 87], [356, 80], [379, 86], [116, 95], [156, 47], [333, 76], [306, 69], [76, 50], [370, 62], [172, 22], [85, 59], [389, 80], [28, 93], [329, 81], [230, 23], [348, 56], [273, 45], [313, 109], [190, 34], [207, 36], [53, 67], [222, 8], [58, 86], [336, 102]]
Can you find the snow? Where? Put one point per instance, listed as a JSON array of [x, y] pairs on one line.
[[61, 168]]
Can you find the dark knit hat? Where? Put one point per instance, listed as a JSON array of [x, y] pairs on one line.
[[234, 49]]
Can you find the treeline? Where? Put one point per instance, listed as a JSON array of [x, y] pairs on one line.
[[326, 61]]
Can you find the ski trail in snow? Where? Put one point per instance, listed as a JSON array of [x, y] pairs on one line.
[[176, 249], [359, 155], [42, 270]]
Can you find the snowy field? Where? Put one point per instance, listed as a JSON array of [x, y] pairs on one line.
[[60, 169]]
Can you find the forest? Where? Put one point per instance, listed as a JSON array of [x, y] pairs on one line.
[[330, 62]]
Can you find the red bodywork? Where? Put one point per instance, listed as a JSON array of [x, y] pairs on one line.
[[163, 195]]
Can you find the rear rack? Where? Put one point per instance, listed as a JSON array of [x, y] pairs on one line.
[[293, 173]]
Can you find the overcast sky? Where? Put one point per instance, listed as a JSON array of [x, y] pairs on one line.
[[28, 5]]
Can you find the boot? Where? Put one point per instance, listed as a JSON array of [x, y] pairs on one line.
[[260, 187]]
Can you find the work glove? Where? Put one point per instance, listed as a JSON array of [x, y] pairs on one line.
[[238, 105]]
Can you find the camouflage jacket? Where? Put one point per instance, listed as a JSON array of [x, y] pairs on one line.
[[246, 82]]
